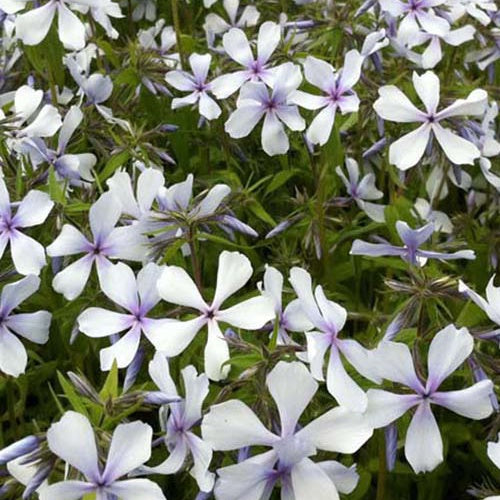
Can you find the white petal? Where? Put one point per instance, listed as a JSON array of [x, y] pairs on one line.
[[130, 448], [363, 360], [338, 430], [494, 452], [98, 322], [71, 122], [34, 209], [202, 456], [394, 106], [136, 489], [147, 280], [32, 326], [46, 124], [427, 87], [321, 127], [72, 439], [160, 374], [302, 284], [149, 183], [69, 242], [458, 150], [385, 407], [317, 345], [103, 216], [449, 348], [233, 273], [119, 284], [423, 445], [274, 139], [216, 353], [407, 151], [196, 387], [473, 402], [66, 490], [208, 107], [72, 280], [236, 45], [33, 26], [27, 254], [176, 286], [13, 357], [267, 41], [15, 293], [310, 481], [351, 71], [232, 425], [250, 314], [319, 73], [291, 399], [123, 351], [70, 29], [225, 85], [243, 120], [212, 201], [473, 105], [334, 314]]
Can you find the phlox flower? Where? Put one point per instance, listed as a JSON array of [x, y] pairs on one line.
[[413, 239], [179, 419], [237, 47], [424, 210], [490, 305], [328, 319], [137, 296], [31, 326], [108, 242], [481, 10], [278, 108], [337, 93], [448, 350], [73, 440], [233, 425], [493, 452], [176, 287], [363, 190], [27, 254], [144, 9], [290, 318], [197, 86], [393, 105], [216, 25]]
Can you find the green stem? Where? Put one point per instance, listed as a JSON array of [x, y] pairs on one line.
[[178, 33], [195, 263], [382, 468]]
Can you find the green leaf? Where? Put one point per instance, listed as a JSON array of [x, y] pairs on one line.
[[56, 192], [115, 162], [71, 394], [110, 388], [279, 179]]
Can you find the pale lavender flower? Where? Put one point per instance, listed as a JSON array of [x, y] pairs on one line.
[[197, 86], [277, 108], [424, 210], [413, 239], [448, 350], [31, 326], [233, 425], [108, 242], [137, 297], [406, 152], [490, 305], [73, 440], [257, 69], [328, 319], [337, 90], [363, 190], [27, 254], [178, 425], [176, 287], [481, 10], [290, 318]]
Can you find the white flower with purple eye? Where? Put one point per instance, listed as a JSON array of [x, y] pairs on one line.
[[31, 326], [27, 254], [338, 93], [197, 86], [257, 69], [410, 252], [184, 415], [490, 305], [137, 297], [424, 210], [108, 242], [74, 167], [406, 152], [292, 317], [176, 287], [233, 425], [362, 191], [31, 118], [417, 15], [73, 440], [216, 25], [328, 319], [277, 108], [448, 350]]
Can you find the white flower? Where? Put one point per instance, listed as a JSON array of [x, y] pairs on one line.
[[338, 93], [108, 242], [137, 297], [233, 425], [27, 254], [328, 319], [176, 286], [478, 9], [197, 85], [216, 25], [73, 440], [491, 306], [31, 326], [277, 108], [425, 211], [448, 350], [238, 48], [406, 152], [184, 415]]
